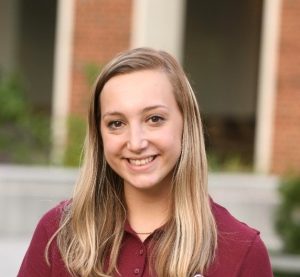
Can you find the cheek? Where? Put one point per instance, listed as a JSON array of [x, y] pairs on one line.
[[177, 147], [177, 131], [110, 155], [107, 145], [172, 143], [111, 146], [177, 141]]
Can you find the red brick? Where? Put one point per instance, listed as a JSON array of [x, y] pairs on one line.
[[286, 143], [286, 147], [102, 28]]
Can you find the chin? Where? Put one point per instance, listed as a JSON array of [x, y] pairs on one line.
[[141, 185], [145, 184]]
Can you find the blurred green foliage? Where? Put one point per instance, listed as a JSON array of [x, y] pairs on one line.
[[282, 274], [24, 134], [77, 129], [288, 216], [232, 163], [77, 124], [91, 71]]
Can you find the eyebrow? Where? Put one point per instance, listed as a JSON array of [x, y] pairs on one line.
[[147, 109]]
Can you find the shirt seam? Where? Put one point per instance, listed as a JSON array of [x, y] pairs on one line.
[[248, 253]]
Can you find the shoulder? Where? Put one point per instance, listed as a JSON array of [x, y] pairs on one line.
[[50, 221], [228, 224], [34, 262], [240, 248]]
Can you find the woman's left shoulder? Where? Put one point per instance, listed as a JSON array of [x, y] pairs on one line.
[[240, 252], [227, 223]]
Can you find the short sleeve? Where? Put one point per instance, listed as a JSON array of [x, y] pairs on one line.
[[256, 262]]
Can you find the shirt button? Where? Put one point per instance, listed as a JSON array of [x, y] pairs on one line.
[[141, 252], [136, 271]]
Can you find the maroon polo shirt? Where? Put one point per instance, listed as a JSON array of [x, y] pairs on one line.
[[134, 254], [240, 252]]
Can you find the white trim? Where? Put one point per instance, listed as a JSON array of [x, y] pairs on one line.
[[62, 76], [267, 85], [159, 24]]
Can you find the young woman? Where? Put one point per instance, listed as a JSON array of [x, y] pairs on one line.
[[141, 206]]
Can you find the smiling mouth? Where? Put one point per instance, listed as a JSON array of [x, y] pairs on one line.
[[140, 162]]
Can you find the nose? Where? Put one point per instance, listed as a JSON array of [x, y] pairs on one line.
[[137, 140]]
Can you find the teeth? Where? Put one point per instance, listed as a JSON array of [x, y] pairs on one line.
[[141, 162]]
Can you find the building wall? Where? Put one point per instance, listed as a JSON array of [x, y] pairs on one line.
[[221, 55], [286, 149], [102, 28], [27, 31], [9, 34], [35, 50]]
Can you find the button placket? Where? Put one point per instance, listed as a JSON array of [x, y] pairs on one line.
[[140, 260]]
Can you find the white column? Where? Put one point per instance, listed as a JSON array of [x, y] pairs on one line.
[[62, 76], [267, 85], [159, 24]]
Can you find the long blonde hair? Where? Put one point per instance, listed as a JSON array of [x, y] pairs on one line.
[[91, 228]]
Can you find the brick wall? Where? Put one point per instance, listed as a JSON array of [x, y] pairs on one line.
[[286, 145], [102, 28]]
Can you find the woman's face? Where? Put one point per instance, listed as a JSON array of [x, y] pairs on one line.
[[141, 128]]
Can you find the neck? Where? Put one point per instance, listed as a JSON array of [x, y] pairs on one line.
[[147, 209]]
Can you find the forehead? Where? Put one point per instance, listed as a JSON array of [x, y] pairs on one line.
[[141, 79], [140, 88]]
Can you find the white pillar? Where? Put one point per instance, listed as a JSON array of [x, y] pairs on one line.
[[267, 85], [62, 76], [159, 24]]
